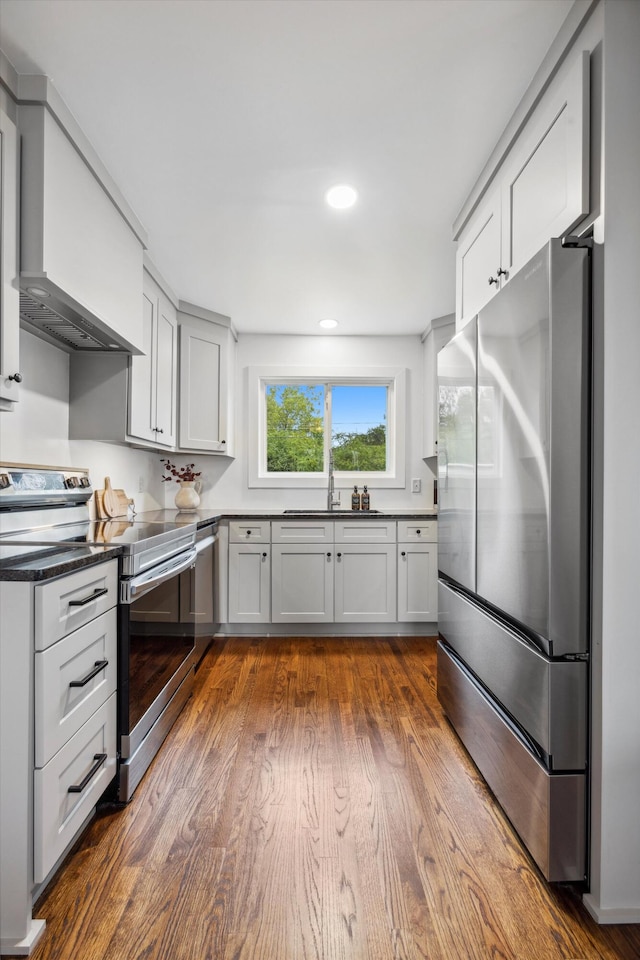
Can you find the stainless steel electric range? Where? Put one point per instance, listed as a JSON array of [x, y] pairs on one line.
[[45, 508]]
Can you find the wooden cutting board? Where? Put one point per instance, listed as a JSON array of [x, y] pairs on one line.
[[123, 502], [110, 500]]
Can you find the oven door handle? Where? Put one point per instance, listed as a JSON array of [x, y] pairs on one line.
[[204, 544], [136, 587]]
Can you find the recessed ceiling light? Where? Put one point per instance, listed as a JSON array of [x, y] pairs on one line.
[[341, 196], [37, 292], [327, 324]]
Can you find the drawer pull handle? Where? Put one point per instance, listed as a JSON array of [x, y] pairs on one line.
[[99, 665], [79, 787], [93, 596]]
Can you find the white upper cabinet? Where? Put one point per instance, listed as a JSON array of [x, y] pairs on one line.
[[204, 384], [545, 182], [9, 297], [540, 191], [152, 376], [478, 259], [76, 242]]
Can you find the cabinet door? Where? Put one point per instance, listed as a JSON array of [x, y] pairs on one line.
[[142, 412], [417, 581], [545, 184], [203, 387], [302, 583], [166, 369], [365, 583], [9, 296], [478, 258], [152, 376], [249, 583]]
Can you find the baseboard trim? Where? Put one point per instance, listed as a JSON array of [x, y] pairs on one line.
[[22, 948], [327, 630], [614, 915]]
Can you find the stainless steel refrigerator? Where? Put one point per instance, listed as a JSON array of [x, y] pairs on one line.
[[514, 550]]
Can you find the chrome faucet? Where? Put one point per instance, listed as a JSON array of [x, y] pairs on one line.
[[331, 495]]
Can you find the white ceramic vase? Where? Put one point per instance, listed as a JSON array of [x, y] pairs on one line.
[[188, 496]]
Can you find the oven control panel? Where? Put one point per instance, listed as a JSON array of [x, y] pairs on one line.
[[23, 484]]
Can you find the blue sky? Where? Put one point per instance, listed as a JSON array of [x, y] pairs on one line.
[[357, 409]]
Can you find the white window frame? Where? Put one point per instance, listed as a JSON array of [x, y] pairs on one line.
[[394, 378]]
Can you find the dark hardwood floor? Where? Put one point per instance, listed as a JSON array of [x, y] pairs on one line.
[[312, 803]]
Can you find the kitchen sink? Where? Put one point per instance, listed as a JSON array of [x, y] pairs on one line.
[[333, 513]]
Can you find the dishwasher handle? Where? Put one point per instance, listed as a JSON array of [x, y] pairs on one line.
[[131, 590]]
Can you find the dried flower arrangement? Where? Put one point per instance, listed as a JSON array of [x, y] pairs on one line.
[[180, 473]]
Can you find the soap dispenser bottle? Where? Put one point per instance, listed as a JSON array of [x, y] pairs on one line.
[[365, 500], [355, 499]]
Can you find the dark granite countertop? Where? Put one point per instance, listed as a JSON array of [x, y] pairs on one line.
[[46, 562], [206, 515]]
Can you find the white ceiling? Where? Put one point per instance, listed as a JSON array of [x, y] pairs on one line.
[[224, 122]]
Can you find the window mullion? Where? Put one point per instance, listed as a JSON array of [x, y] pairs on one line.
[[328, 435]]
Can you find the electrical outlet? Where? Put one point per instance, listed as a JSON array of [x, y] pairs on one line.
[[140, 484], [416, 485]]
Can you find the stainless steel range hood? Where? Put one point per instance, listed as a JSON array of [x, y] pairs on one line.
[[52, 315]]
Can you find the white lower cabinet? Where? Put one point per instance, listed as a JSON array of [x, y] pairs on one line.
[[365, 582], [249, 582], [417, 581], [302, 582], [342, 571], [72, 679], [58, 659], [418, 571], [75, 706], [68, 787]]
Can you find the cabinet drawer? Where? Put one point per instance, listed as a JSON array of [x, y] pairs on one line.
[[365, 531], [61, 708], [253, 531], [302, 531], [63, 605], [417, 530], [59, 814]]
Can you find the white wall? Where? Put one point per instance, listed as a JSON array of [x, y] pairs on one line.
[[38, 430], [226, 482]]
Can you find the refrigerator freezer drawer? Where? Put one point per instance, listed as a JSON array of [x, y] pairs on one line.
[[546, 810], [547, 698]]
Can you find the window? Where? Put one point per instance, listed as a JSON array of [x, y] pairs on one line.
[[302, 417]]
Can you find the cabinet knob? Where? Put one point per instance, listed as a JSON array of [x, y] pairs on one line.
[[264, 555], [493, 280], [158, 430], [418, 532], [500, 272], [248, 533], [338, 555], [329, 554], [16, 376], [403, 553]]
